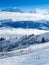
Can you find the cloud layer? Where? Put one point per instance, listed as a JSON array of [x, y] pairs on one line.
[[17, 16]]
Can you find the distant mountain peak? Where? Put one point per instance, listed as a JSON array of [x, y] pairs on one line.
[[42, 25], [12, 10]]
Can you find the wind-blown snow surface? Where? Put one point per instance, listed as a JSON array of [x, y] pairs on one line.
[[40, 56]]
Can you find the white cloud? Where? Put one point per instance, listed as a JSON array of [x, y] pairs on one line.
[[42, 11], [16, 16]]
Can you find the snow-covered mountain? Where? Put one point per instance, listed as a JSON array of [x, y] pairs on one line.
[[13, 40], [43, 25], [32, 44], [12, 10]]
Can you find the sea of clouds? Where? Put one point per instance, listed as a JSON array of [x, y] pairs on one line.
[[39, 14]]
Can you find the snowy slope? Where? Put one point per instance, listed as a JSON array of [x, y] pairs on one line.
[[39, 56], [20, 38]]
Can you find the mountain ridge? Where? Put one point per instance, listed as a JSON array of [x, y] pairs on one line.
[[11, 10], [42, 25]]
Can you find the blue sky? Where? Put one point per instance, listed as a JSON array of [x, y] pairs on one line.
[[24, 4]]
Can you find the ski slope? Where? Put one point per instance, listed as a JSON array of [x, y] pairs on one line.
[[40, 56]]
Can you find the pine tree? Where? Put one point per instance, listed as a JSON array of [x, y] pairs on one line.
[[43, 40]]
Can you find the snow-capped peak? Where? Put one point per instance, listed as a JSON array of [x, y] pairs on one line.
[[11, 10]]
